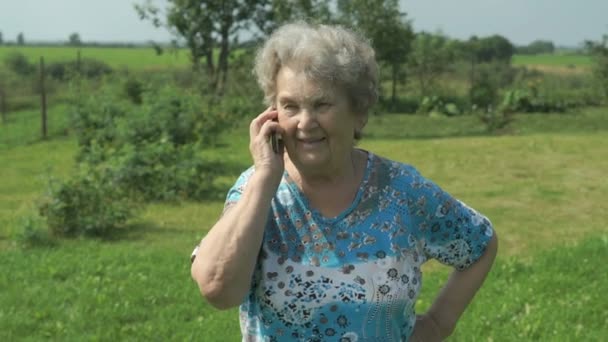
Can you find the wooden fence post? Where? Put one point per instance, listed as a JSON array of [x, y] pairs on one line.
[[43, 98], [3, 103], [78, 62]]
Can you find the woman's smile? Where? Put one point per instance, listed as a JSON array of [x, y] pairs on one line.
[[311, 143]]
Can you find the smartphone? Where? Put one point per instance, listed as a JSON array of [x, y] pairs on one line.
[[275, 141]]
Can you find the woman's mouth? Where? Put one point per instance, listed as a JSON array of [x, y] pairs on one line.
[[311, 143]]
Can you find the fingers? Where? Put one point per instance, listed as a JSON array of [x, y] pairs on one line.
[[256, 124]]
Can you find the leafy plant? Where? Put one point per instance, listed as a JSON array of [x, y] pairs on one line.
[[19, 64], [91, 203], [33, 233], [86, 67]]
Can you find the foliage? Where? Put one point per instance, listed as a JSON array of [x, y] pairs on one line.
[[268, 15], [385, 25], [486, 81], [86, 67], [208, 25], [496, 119], [437, 106], [1, 38], [429, 59], [537, 47], [20, 39], [134, 89], [19, 64], [91, 203], [33, 233], [599, 51], [151, 148], [534, 92], [495, 48], [74, 39]]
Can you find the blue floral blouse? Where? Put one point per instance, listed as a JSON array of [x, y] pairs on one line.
[[355, 277]]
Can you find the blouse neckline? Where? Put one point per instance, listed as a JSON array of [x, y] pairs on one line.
[[319, 217]]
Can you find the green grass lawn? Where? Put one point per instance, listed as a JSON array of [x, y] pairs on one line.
[[132, 58], [542, 186]]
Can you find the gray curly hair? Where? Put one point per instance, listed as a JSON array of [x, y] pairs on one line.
[[324, 53]]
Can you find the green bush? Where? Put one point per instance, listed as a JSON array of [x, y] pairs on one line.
[[33, 233], [90, 204], [19, 64], [88, 68], [153, 148], [165, 172], [134, 89], [441, 106]]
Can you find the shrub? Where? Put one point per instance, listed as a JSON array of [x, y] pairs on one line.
[[33, 233], [438, 106], [495, 119], [152, 148], [19, 64], [87, 68], [162, 171], [91, 203], [134, 89]]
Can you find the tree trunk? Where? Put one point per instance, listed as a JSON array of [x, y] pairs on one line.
[[3, 104], [394, 92], [226, 26]]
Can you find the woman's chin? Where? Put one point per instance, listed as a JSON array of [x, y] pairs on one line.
[[311, 160]]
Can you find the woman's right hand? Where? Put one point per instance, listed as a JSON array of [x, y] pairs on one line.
[[264, 158]]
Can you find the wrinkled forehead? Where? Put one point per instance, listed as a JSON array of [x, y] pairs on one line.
[[298, 83]]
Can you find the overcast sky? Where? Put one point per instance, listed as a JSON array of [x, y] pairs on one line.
[[565, 22]]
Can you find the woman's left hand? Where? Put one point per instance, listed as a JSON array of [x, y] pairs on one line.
[[425, 330]]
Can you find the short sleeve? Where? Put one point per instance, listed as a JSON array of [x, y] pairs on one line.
[[236, 191], [449, 230]]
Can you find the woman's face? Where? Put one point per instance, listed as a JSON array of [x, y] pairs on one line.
[[318, 121]]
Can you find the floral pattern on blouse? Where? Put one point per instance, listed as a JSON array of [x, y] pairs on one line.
[[355, 277]]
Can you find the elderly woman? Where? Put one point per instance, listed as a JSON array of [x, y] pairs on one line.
[[323, 241]]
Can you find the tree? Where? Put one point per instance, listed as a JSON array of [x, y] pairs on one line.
[[493, 48], [1, 38], [386, 26], [74, 39], [430, 57], [203, 24], [537, 47], [599, 52], [270, 14], [20, 39], [206, 25]]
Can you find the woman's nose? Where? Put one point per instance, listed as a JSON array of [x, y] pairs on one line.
[[307, 120]]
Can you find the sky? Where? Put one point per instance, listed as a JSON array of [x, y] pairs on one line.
[[565, 22]]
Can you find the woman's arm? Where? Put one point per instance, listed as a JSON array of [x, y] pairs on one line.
[[458, 293], [227, 255]]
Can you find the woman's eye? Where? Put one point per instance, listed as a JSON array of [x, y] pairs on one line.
[[323, 105]]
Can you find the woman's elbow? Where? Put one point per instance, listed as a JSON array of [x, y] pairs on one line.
[[215, 292]]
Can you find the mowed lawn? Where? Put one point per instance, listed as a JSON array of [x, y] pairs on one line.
[[542, 186]]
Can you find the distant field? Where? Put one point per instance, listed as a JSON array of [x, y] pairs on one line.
[[144, 58], [556, 61], [132, 58]]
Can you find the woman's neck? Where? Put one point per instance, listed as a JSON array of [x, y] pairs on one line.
[[347, 172]]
